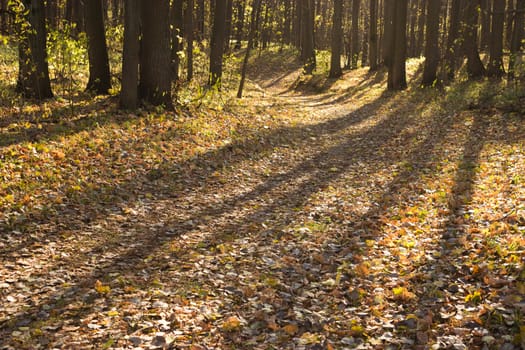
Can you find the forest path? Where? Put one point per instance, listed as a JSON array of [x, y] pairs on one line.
[[351, 218]]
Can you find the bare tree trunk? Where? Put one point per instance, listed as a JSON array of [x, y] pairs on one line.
[[354, 47], [421, 26], [251, 36], [475, 67], [188, 25], [130, 56], [495, 66], [388, 31], [373, 36], [485, 21], [517, 38], [99, 74], [364, 39], [453, 47], [337, 40], [155, 55], [217, 42], [176, 37], [307, 36], [397, 68], [431, 44], [239, 27], [229, 23], [33, 74]]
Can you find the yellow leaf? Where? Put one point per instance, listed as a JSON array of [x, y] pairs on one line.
[[309, 338], [102, 289], [112, 313], [398, 291], [231, 324], [291, 328]]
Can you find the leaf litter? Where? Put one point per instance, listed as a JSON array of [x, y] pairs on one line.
[[334, 221]]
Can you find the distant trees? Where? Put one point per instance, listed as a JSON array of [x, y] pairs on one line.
[[161, 37]]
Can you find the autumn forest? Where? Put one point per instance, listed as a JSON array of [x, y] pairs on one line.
[[262, 174]]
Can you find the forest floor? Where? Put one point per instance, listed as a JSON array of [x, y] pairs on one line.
[[312, 214]]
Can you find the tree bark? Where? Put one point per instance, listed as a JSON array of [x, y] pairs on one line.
[[364, 40], [453, 47], [431, 44], [217, 42], [188, 25], [373, 36], [495, 66], [176, 37], [475, 68], [337, 40], [33, 74], [421, 26], [397, 69], [517, 38], [239, 24], [99, 74], [229, 23], [485, 13], [354, 47], [388, 31], [130, 56], [307, 36], [155, 55], [256, 9]]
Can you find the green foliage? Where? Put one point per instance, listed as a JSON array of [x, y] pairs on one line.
[[67, 56]]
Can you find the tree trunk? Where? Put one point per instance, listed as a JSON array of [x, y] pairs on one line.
[[475, 67], [364, 39], [217, 42], [33, 73], [176, 37], [99, 74], [130, 56], [517, 38], [509, 23], [256, 9], [397, 69], [307, 36], [431, 44], [188, 25], [373, 36], [337, 40], [354, 48], [229, 23], [155, 55], [485, 12], [421, 26], [453, 47], [413, 16], [199, 24], [495, 66], [239, 25], [388, 31]]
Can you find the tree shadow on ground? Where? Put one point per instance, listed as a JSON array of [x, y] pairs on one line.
[[45, 122], [151, 239], [396, 141]]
